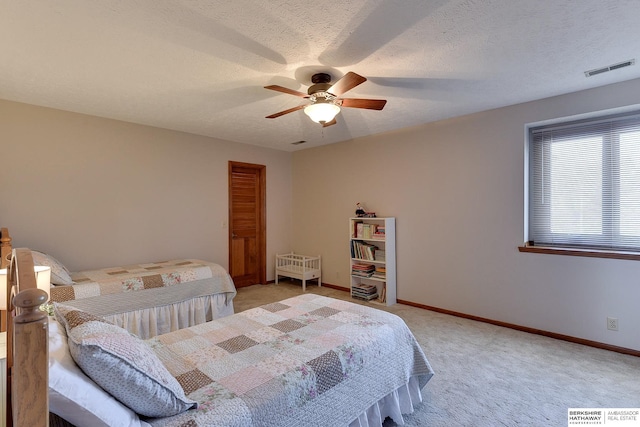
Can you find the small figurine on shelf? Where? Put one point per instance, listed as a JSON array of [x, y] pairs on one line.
[[361, 213]]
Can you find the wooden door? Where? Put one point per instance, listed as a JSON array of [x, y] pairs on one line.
[[247, 223]]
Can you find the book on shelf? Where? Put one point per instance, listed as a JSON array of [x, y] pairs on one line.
[[363, 270], [370, 230], [358, 274], [366, 297], [380, 273], [383, 294], [363, 250], [363, 230], [364, 291], [380, 232], [363, 267], [365, 287]]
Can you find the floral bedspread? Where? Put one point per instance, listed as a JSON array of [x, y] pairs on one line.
[[305, 361]]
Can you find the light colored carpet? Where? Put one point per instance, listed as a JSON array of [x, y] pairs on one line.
[[486, 375]]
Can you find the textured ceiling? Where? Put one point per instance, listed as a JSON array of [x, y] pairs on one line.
[[200, 66]]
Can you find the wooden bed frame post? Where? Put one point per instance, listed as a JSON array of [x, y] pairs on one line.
[[27, 336], [5, 254], [5, 247]]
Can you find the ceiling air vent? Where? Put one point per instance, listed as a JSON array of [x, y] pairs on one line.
[[610, 68], [298, 142]]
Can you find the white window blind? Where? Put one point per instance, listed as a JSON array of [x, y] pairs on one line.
[[584, 184]]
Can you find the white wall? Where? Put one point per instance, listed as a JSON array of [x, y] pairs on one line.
[[456, 188], [95, 193]]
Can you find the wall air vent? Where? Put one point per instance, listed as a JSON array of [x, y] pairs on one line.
[[610, 68], [298, 142]]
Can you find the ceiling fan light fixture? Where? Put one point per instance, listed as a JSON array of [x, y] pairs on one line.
[[322, 112]]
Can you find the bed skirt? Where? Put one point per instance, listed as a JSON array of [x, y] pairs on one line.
[[149, 322], [393, 405]]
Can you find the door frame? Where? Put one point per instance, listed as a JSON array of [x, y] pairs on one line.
[[261, 217]]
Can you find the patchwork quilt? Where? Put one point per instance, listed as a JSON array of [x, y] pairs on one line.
[[136, 277], [114, 290], [304, 361]]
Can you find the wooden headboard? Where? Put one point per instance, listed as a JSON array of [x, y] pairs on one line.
[[5, 247], [27, 346]]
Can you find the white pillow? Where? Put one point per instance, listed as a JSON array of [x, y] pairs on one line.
[[59, 273], [122, 364], [75, 397]]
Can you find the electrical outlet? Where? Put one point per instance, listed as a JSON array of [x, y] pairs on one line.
[[612, 323]]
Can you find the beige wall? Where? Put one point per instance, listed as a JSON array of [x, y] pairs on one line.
[[95, 192], [456, 188]]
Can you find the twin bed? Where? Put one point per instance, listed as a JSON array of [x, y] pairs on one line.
[[304, 361], [153, 298], [146, 299]]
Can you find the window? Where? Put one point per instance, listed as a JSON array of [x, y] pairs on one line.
[[584, 184]]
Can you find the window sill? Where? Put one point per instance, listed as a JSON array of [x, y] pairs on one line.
[[592, 253]]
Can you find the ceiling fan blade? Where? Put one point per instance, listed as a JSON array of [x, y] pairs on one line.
[[287, 90], [347, 82], [332, 122], [282, 113], [370, 104]]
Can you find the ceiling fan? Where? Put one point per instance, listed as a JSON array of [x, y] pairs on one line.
[[325, 98]]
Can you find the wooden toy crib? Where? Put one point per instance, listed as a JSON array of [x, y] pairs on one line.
[[299, 267]]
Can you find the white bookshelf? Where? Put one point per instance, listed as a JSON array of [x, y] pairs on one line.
[[363, 247]]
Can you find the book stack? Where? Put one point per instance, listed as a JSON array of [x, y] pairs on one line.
[[380, 232], [364, 291], [380, 273], [380, 255], [363, 270]]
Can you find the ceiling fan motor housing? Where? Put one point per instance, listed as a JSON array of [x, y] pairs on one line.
[[321, 83], [318, 87]]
